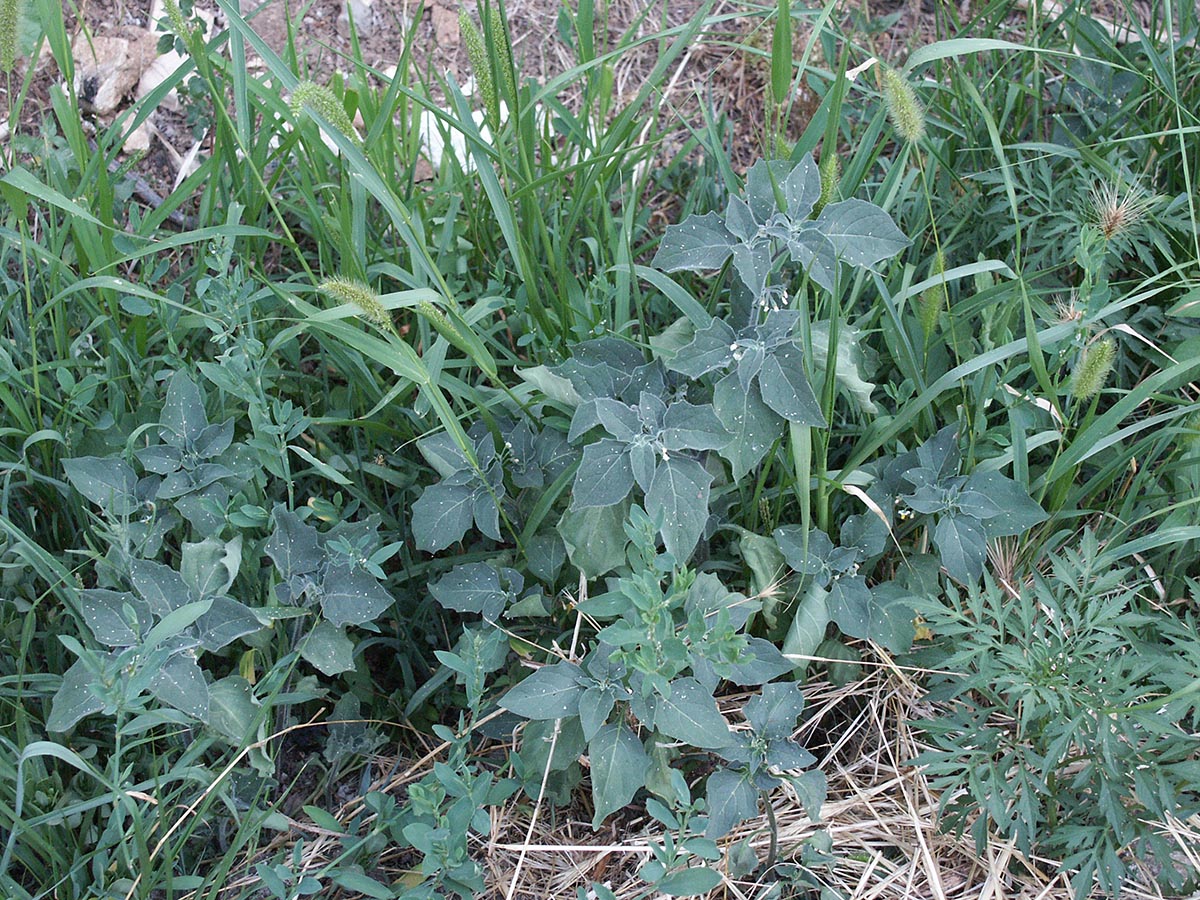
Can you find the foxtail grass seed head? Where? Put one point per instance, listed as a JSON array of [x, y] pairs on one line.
[[904, 109], [360, 296], [10, 13], [504, 61], [830, 169], [1114, 209], [323, 101], [176, 19], [934, 298], [480, 68], [1094, 367]]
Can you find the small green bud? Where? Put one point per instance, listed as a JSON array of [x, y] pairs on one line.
[[10, 14], [357, 294], [933, 299], [904, 109], [326, 104], [1093, 369]]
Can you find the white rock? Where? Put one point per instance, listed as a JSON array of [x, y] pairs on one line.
[[156, 73], [108, 67], [364, 17], [139, 139]]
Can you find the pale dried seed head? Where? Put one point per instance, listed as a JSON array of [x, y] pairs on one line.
[[1116, 208]]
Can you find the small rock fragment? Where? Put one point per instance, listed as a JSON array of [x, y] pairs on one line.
[[364, 17], [108, 67]]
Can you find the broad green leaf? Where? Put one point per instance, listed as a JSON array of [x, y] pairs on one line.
[[773, 713], [159, 585], [176, 622], [710, 348], [595, 538], [754, 426], [360, 884], [892, 616], [807, 554], [962, 545], [551, 692], [762, 178], [802, 189], [209, 567], [679, 495], [688, 427], [851, 366], [691, 882], [183, 417], [618, 419], [1018, 511], [690, 715], [74, 699], [815, 255], [116, 619], [604, 477], [352, 596], [861, 233], [443, 453], [618, 766], [486, 513], [328, 648], [850, 605], [555, 387], [808, 625], [739, 220], [761, 662], [109, 483], [232, 709], [225, 622], [785, 387], [180, 684], [753, 265], [811, 787], [731, 799], [293, 546], [473, 588], [700, 242], [442, 515], [595, 704]]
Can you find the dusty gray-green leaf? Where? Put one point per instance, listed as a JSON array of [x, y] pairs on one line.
[[595, 538], [109, 483], [555, 387], [294, 546], [328, 648], [807, 629], [225, 622], [232, 709], [690, 715], [595, 704], [753, 265], [116, 619], [861, 233], [1018, 511], [699, 242], [731, 799], [815, 256], [352, 596], [679, 494], [802, 189], [850, 605], [690, 882], [710, 348], [74, 699], [785, 387], [471, 588], [442, 515], [618, 765], [551, 692], [443, 453], [604, 477], [962, 545], [773, 713], [183, 416], [210, 567], [161, 586], [180, 684], [689, 427], [754, 426]]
